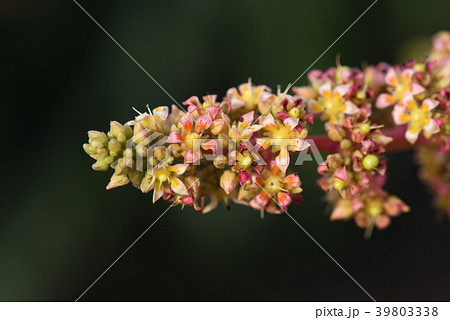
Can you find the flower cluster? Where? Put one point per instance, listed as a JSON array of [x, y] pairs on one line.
[[239, 148], [435, 173], [355, 104], [354, 177]]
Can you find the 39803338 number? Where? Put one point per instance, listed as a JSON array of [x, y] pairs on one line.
[[406, 311]]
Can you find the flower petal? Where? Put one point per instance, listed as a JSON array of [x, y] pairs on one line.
[[399, 114], [283, 115], [391, 77], [342, 89], [293, 180], [429, 104], [314, 106], [290, 123], [244, 177], [187, 124], [268, 122], [341, 174], [382, 221], [342, 211], [432, 126], [350, 107], [212, 145], [247, 133], [282, 160], [178, 186], [226, 118], [408, 74], [236, 103], [300, 144], [157, 193], [212, 110], [203, 122], [263, 142], [262, 199], [325, 89], [412, 136], [246, 120], [416, 89], [284, 199], [323, 168], [192, 101], [385, 100], [175, 137], [193, 108], [212, 205], [179, 168], [161, 113], [191, 157], [211, 98]]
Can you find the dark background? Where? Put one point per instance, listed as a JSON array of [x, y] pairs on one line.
[[62, 76]]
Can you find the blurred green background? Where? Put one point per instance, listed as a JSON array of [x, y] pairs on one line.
[[62, 76]]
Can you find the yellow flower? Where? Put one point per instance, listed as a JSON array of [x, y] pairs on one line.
[[283, 137], [400, 85], [246, 96], [417, 117], [332, 103], [163, 178]]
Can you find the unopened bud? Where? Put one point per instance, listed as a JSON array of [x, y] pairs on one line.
[[114, 146], [146, 183], [160, 153], [374, 207], [336, 132], [116, 128], [364, 129], [176, 150], [118, 180], [294, 113], [370, 162], [220, 162], [334, 161], [345, 144], [228, 181], [218, 126]]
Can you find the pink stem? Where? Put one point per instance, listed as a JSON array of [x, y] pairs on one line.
[[399, 142]]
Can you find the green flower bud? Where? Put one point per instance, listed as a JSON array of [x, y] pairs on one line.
[[118, 180], [374, 208], [146, 183], [97, 136], [116, 128], [128, 131], [100, 165], [370, 162], [294, 113], [114, 146], [361, 95], [345, 144], [108, 159], [338, 184], [364, 129], [122, 138]]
